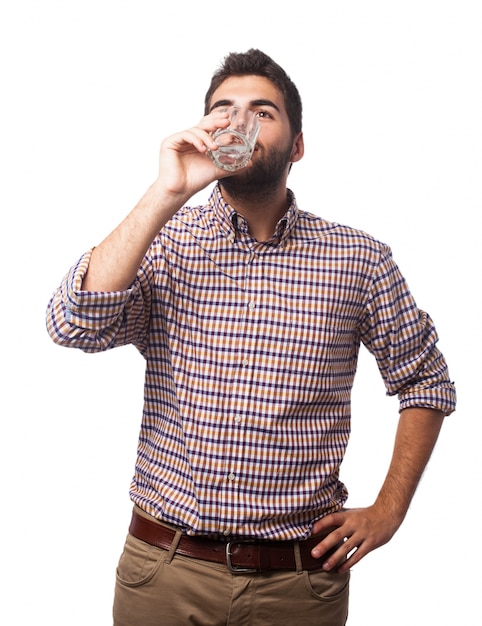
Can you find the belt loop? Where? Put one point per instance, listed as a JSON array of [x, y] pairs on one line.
[[298, 560], [173, 548]]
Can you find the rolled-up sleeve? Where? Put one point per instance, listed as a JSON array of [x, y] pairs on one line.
[[403, 340], [97, 321]]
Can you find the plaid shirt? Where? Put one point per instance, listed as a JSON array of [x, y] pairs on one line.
[[251, 350]]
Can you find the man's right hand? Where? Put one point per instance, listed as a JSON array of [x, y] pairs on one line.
[[184, 166]]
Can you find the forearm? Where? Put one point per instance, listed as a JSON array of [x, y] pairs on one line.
[[417, 433], [184, 170], [115, 262], [361, 530]]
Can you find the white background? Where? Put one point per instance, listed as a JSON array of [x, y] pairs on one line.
[[392, 97]]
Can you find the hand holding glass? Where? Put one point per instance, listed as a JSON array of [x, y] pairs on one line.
[[236, 143]]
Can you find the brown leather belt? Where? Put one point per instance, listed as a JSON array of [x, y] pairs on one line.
[[240, 556]]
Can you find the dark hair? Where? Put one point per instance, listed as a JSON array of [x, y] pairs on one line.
[[258, 63]]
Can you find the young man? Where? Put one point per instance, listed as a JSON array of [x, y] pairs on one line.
[[249, 313]]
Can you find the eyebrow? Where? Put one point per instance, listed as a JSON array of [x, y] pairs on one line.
[[253, 103]]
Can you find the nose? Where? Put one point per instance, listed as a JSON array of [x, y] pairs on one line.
[[240, 119]]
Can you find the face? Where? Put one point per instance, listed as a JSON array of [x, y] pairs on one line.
[[276, 147]]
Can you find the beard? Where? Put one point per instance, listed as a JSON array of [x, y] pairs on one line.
[[260, 181]]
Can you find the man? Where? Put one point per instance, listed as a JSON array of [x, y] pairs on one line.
[[249, 313]]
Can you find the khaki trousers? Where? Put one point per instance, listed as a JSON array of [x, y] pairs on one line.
[[156, 587]]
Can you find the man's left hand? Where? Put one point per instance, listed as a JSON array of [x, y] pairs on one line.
[[359, 531]]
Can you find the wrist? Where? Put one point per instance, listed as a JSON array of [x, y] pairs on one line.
[[390, 509], [163, 202]]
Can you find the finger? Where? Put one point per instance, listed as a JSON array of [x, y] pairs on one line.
[[341, 559], [329, 522], [214, 120], [330, 544], [192, 138], [353, 556]]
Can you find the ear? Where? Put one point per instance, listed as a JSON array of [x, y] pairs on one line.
[[298, 149]]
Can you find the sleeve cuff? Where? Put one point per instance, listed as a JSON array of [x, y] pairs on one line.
[[441, 398], [92, 310]]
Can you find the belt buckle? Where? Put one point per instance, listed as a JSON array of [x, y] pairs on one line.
[[232, 568]]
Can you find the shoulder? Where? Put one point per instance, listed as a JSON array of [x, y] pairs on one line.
[[332, 234], [189, 221]]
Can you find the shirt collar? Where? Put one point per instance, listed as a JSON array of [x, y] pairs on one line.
[[233, 225]]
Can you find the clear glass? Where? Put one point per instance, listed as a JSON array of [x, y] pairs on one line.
[[236, 143]]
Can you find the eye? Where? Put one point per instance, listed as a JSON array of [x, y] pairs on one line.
[[264, 114]]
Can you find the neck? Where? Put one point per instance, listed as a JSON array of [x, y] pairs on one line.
[[262, 211]]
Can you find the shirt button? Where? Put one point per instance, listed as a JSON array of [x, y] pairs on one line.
[[231, 476], [238, 419], [245, 362], [226, 532], [251, 305]]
